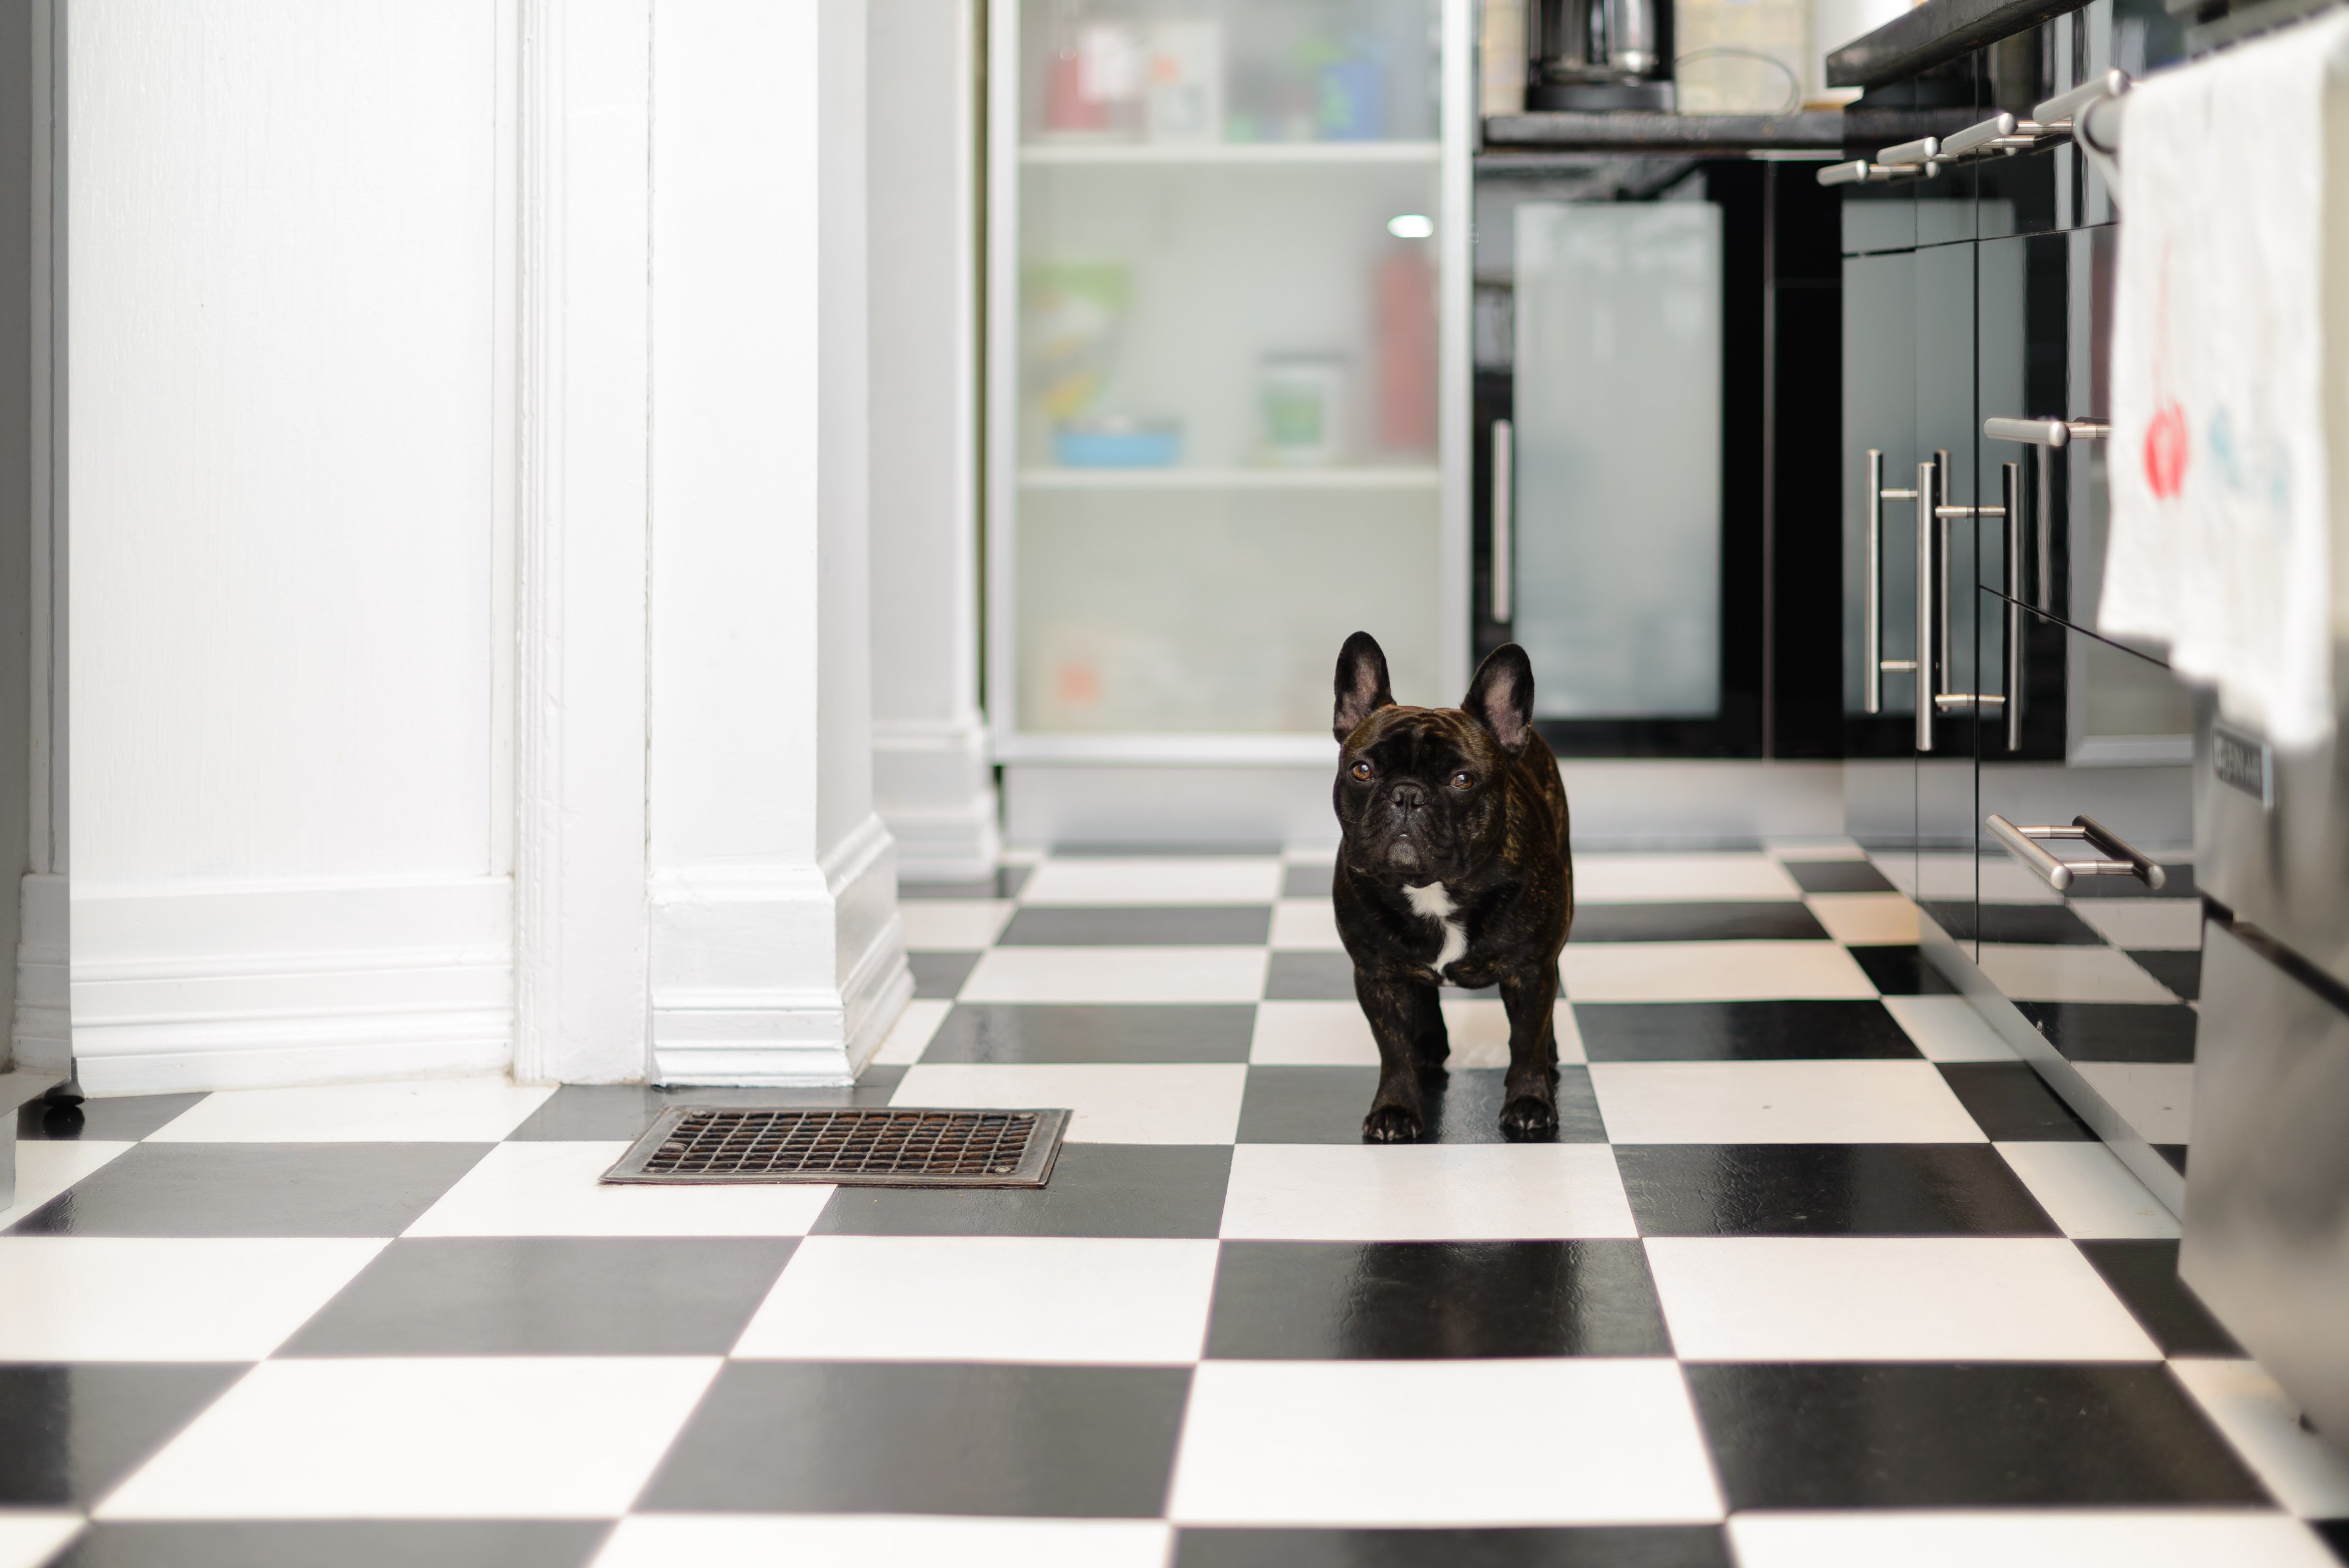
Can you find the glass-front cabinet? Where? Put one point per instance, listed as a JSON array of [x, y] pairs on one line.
[[1222, 434]]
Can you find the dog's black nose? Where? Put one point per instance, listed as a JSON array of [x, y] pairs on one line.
[[1407, 797]]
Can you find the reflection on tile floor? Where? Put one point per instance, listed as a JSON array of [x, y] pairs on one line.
[[1817, 1272]]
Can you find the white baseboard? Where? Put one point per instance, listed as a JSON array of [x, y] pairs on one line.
[[932, 786], [778, 975], [41, 1032], [1636, 803], [178, 989]]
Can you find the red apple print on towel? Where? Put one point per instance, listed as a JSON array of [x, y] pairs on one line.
[[2164, 450]]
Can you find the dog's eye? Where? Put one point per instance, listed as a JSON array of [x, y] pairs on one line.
[[1361, 769], [1464, 781]]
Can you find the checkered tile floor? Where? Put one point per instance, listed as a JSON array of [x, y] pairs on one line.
[[1816, 1274]]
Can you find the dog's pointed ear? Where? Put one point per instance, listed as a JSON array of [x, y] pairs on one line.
[[1361, 683], [1501, 698]]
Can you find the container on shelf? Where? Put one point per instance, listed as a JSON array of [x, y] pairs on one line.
[[1302, 398], [1115, 441]]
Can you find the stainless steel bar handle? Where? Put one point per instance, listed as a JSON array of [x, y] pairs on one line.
[[1943, 512], [1872, 637], [1926, 682], [2046, 432], [2026, 844], [1505, 518], [2010, 490]]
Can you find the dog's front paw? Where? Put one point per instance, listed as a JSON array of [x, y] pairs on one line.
[[1528, 1116], [1391, 1123]]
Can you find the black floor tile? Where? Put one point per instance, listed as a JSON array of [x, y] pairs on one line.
[[1307, 881], [256, 1190], [2046, 924], [1001, 1031], [1176, 926], [1005, 883], [600, 1113], [343, 1542], [67, 1434], [1828, 1189], [2116, 1030], [1326, 1104], [2012, 1104], [126, 1119], [1901, 972], [1782, 919], [2180, 971], [547, 1295], [1739, 1031], [1838, 877], [938, 976], [1421, 1299], [878, 1438], [2143, 1274], [2173, 1155], [2335, 1533], [1597, 1546], [1097, 1189], [1309, 977], [1980, 1436], [2177, 882]]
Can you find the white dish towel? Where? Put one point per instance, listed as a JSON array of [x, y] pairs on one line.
[[2231, 376]]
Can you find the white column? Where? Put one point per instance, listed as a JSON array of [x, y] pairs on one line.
[[777, 954], [931, 778]]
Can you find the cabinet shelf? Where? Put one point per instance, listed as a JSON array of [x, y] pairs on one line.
[[1227, 154], [1396, 478]]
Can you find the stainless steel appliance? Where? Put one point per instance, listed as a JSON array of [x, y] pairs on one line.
[[1599, 54], [2267, 1192]]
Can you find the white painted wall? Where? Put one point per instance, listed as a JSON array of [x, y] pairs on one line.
[[932, 780], [777, 954], [291, 823]]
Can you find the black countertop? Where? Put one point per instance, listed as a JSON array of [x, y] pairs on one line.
[[1685, 135], [1935, 32]]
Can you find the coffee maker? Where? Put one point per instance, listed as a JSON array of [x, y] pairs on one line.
[[1598, 54]]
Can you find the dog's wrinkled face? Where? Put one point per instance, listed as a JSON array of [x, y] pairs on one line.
[[1422, 791]]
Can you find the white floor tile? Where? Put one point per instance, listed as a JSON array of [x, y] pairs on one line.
[[2088, 1192], [1117, 974], [910, 1035], [1813, 849], [1779, 1102], [1709, 971], [1335, 1034], [47, 1167], [107, 1298], [987, 1298], [423, 1437], [452, 1110], [882, 1541], [1425, 1192], [1024, 854], [2299, 1469], [1165, 879], [1867, 920], [2058, 973], [28, 1540], [1948, 1029], [1318, 853], [2156, 1098], [2172, 924], [1113, 1102], [552, 1190], [1618, 879], [1569, 1441], [1310, 924], [1874, 1298], [2026, 1538], [945, 925]]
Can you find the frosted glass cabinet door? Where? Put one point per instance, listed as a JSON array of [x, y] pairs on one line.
[[1215, 385], [1618, 410]]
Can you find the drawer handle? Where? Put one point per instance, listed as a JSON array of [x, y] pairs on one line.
[[2025, 844], [2046, 432]]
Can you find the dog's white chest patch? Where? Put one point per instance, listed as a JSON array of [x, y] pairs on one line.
[[1434, 903]]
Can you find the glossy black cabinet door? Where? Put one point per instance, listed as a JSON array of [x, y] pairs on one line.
[[1947, 423]]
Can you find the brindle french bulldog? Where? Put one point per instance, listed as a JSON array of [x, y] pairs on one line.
[[1453, 867]]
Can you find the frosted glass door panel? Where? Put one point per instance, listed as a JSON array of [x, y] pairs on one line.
[[1618, 417], [1217, 611]]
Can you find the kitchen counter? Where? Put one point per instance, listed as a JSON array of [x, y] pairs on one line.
[[1935, 32], [1823, 131]]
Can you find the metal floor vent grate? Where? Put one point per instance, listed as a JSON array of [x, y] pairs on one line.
[[865, 1147]]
